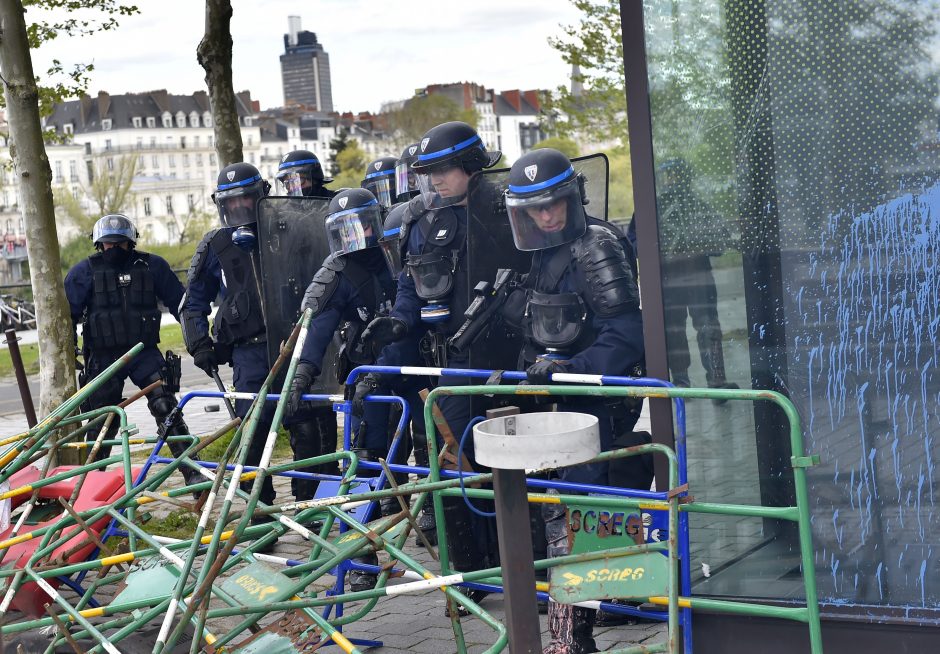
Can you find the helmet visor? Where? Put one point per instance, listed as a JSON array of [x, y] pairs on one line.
[[354, 229], [443, 187], [381, 187], [547, 219], [114, 229], [405, 180], [296, 182], [391, 250]]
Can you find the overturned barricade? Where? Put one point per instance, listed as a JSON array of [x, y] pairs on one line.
[[88, 569]]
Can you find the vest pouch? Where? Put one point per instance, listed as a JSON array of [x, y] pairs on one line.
[[433, 274], [140, 292], [555, 319], [105, 285], [233, 318]]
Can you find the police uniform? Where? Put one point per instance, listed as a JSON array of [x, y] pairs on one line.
[[116, 302], [433, 294], [580, 314]]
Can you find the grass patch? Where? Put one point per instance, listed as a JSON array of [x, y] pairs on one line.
[[30, 354], [217, 448], [179, 523], [171, 338]]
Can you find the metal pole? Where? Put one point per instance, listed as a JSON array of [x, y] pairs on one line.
[[228, 402], [515, 554], [21, 381]]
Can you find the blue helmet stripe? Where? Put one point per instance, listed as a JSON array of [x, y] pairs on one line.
[[247, 182], [395, 231], [354, 209], [302, 162], [542, 185], [381, 173], [455, 148]]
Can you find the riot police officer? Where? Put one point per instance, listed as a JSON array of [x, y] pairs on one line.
[[579, 314], [226, 260], [114, 294], [433, 294], [300, 174], [380, 180], [406, 181], [353, 286]]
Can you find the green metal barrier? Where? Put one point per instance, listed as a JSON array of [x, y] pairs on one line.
[[800, 513]]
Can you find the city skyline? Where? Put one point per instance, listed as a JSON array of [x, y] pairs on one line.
[[371, 63]]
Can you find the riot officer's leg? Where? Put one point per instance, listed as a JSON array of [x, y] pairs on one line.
[[147, 368], [250, 363], [309, 437], [480, 550], [108, 394], [419, 440], [571, 627]]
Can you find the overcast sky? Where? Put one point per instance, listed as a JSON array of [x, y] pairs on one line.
[[378, 50]]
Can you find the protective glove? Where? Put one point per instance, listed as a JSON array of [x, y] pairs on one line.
[[540, 371], [206, 360], [365, 386], [304, 377], [382, 331]]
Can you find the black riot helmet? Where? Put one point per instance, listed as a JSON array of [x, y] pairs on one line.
[[443, 148], [353, 221], [380, 180], [390, 243], [545, 200], [114, 228], [238, 191], [406, 182], [300, 174]]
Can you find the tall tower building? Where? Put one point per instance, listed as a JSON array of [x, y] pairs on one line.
[[305, 69]]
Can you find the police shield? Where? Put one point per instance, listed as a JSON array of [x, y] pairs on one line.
[[292, 244], [490, 248], [595, 170]]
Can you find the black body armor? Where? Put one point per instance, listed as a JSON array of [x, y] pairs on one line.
[[123, 307], [240, 317]]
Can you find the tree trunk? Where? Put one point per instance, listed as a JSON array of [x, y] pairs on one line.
[[215, 56], [53, 320]]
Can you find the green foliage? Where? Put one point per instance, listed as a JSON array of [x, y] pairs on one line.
[[75, 250], [337, 145], [563, 144], [83, 18], [350, 166], [179, 523], [595, 45], [424, 112]]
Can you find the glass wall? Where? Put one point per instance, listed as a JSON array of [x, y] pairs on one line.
[[796, 149]]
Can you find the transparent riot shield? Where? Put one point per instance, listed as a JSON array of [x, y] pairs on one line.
[[292, 245], [596, 172]]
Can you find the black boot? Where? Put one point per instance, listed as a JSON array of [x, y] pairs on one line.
[[359, 579]]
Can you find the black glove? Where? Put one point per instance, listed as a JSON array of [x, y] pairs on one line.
[[365, 386], [540, 371], [206, 360], [382, 331], [304, 377]]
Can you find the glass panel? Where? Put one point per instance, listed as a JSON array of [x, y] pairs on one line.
[[797, 176]]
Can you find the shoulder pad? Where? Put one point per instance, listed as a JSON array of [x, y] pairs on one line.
[[199, 257], [334, 262], [607, 279], [323, 285]]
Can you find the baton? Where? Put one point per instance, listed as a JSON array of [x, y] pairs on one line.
[[228, 402]]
